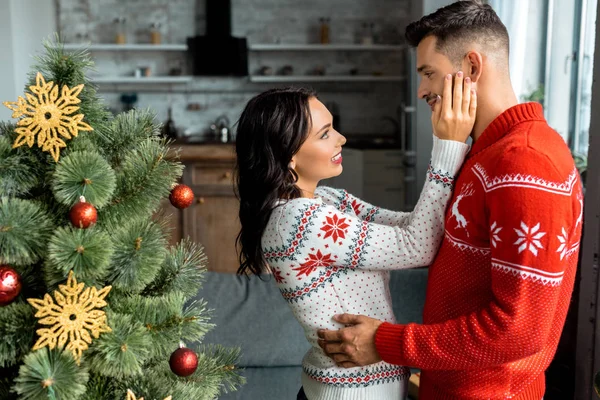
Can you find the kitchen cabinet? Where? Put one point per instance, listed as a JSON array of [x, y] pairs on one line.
[[171, 218], [212, 219], [374, 175], [213, 222], [383, 180]]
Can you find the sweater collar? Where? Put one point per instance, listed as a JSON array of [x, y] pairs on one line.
[[504, 123], [316, 199]]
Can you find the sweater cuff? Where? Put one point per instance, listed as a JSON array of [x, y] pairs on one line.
[[388, 340], [448, 155]]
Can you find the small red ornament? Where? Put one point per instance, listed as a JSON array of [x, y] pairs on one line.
[[181, 196], [183, 361], [83, 214], [10, 285]]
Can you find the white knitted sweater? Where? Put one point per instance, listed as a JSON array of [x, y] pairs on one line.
[[332, 254]]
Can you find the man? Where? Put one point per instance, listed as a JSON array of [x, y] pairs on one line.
[[500, 286]]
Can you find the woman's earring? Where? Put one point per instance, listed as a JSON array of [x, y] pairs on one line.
[[291, 165]]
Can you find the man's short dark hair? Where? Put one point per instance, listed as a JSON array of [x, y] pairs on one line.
[[460, 22]]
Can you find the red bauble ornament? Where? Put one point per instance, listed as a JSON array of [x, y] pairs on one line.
[[183, 362], [181, 196], [83, 214], [10, 285]]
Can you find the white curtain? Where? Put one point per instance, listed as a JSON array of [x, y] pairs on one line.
[[514, 14]]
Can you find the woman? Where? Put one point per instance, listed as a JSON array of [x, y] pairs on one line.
[[329, 252]]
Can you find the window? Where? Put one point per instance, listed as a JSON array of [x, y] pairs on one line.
[[552, 52]]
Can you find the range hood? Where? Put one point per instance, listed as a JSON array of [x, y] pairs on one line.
[[217, 53]]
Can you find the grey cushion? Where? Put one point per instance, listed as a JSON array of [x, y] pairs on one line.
[[408, 289], [252, 314], [280, 383]]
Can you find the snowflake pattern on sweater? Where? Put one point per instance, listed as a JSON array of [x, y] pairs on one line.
[[332, 254], [499, 290]]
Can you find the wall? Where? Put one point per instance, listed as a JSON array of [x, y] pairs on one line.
[[7, 69], [362, 105], [23, 26]]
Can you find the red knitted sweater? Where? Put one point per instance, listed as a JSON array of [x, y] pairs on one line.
[[500, 286]]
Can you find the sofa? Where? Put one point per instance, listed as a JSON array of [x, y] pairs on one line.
[[251, 314]]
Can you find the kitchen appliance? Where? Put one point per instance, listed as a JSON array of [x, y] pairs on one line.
[[217, 53], [168, 130], [413, 175]]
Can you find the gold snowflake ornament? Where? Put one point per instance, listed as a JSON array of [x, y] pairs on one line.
[[72, 318], [47, 116], [131, 396]]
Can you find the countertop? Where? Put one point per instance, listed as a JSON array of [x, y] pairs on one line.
[[217, 150], [204, 151]]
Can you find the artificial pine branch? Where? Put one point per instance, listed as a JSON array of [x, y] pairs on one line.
[[71, 69], [167, 318], [140, 250], [18, 170], [216, 374], [88, 252], [32, 282], [24, 231], [50, 374], [100, 387], [125, 169], [126, 131], [144, 177], [122, 352], [217, 363], [17, 325], [7, 376], [84, 173], [183, 271]]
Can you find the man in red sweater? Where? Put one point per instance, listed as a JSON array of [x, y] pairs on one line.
[[500, 286]]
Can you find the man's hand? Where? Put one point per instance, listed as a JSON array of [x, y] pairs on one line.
[[353, 345]]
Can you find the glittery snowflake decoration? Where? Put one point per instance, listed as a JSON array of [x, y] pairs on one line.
[[131, 396], [73, 317], [47, 116]]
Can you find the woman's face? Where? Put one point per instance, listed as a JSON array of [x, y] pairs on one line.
[[320, 156]]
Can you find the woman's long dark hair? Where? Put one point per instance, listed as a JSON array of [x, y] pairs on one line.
[[270, 131]]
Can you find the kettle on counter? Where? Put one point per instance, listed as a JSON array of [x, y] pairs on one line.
[[220, 129]]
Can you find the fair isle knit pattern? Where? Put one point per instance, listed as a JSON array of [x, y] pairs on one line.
[[332, 254], [500, 287]]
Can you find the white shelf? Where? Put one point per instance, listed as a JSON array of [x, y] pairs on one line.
[[325, 47], [148, 80], [327, 78], [126, 47]]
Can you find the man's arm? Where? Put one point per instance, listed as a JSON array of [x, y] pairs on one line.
[[527, 273]]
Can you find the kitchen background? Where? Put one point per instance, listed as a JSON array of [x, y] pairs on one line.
[[363, 107], [365, 74]]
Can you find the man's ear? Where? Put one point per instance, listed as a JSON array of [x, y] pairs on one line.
[[474, 62]]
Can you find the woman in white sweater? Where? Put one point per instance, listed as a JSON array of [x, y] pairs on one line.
[[329, 252]]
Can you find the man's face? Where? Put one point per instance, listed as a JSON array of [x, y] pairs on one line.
[[432, 66]]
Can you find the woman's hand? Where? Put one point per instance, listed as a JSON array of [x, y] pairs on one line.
[[453, 115]]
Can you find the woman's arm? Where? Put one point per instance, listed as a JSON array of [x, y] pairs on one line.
[[320, 235], [344, 201]]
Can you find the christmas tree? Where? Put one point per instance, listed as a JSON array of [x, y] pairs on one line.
[[94, 304]]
